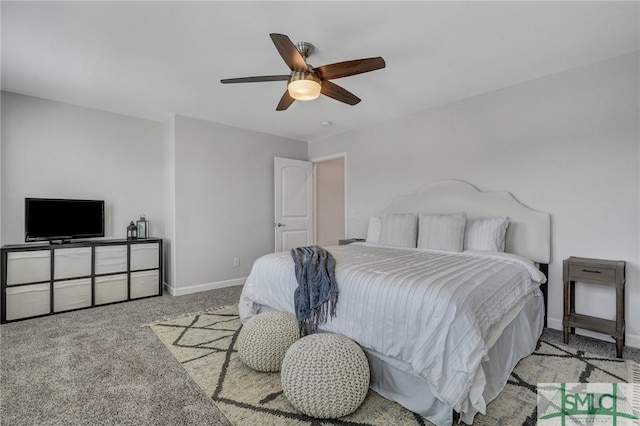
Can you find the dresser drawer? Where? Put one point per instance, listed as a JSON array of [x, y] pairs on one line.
[[28, 301], [592, 273], [145, 256], [72, 262], [71, 294], [145, 283], [111, 288], [28, 266], [111, 259]]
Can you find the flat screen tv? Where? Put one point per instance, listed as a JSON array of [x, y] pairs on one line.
[[48, 219]]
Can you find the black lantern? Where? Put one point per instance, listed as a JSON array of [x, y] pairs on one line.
[[143, 228], [132, 231]]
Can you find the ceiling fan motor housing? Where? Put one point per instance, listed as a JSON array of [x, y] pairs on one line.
[[305, 49]]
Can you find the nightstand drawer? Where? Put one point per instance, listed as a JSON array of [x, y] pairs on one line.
[[592, 274]]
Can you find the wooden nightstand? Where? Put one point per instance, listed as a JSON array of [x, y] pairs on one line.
[[350, 240], [593, 271]]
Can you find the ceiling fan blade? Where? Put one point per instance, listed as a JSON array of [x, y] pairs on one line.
[[255, 79], [285, 101], [347, 68], [289, 52], [336, 92]]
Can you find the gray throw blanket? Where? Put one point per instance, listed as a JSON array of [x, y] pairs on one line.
[[317, 292]]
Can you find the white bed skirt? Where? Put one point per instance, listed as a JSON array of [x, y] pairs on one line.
[[518, 340]]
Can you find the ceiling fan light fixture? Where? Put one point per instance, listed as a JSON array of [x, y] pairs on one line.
[[304, 86]]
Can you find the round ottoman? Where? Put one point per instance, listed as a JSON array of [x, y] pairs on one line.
[[325, 375], [265, 338]]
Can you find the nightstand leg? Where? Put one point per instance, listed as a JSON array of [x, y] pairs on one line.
[[620, 334], [565, 318], [619, 346]]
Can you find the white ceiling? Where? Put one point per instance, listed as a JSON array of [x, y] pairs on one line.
[[152, 59]]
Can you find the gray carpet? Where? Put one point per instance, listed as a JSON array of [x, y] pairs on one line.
[[99, 366]]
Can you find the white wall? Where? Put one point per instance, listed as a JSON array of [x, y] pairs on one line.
[[223, 201], [567, 144], [207, 189], [56, 150]]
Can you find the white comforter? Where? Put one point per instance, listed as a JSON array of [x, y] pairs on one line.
[[436, 311]]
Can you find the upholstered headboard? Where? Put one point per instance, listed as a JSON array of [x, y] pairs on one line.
[[529, 232]]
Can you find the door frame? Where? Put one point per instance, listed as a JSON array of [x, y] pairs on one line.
[[322, 159]]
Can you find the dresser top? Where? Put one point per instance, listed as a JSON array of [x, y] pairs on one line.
[[77, 243]]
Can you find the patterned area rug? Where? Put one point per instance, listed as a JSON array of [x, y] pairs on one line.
[[205, 346]]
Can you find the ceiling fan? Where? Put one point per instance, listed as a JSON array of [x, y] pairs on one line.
[[306, 82]]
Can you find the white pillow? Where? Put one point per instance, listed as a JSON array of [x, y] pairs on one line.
[[399, 230], [375, 227], [442, 231], [486, 234]]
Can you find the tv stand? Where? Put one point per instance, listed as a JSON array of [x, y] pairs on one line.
[[49, 278], [58, 242]]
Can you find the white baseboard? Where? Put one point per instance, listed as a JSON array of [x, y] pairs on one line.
[[203, 287], [632, 340]]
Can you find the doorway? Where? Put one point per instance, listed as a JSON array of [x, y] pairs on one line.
[[310, 201], [330, 199]]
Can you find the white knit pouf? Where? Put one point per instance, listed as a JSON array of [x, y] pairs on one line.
[[265, 338], [325, 375]]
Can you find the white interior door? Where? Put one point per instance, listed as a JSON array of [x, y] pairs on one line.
[[293, 203]]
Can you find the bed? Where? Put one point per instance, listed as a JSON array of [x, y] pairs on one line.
[[445, 321]]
